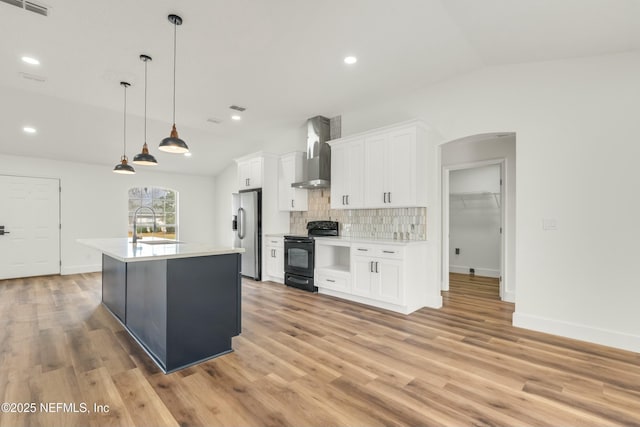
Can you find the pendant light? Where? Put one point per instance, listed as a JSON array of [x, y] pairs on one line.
[[144, 158], [173, 144], [124, 167]]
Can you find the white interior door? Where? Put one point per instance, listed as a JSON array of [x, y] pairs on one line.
[[30, 214]]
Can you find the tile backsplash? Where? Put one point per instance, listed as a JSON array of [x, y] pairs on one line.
[[392, 223]]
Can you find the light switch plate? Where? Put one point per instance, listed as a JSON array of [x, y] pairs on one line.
[[549, 224]]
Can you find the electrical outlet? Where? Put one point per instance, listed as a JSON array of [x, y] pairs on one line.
[[457, 251]]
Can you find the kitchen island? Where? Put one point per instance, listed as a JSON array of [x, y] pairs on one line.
[[180, 301]]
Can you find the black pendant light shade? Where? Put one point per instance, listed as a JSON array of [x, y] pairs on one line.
[[144, 158], [124, 167], [173, 144]]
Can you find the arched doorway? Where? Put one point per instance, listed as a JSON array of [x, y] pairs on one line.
[[476, 151]]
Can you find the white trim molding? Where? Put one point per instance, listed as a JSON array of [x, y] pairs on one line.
[[578, 331], [479, 271], [78, 269]]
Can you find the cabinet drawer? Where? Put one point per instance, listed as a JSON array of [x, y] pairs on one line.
[[274, 242], [335, 282], [363, 249], [392, 252]]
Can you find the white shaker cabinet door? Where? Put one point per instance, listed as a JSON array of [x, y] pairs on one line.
[[389, 276], [400, 159], [362, 283], [376, 170], [347, 171]]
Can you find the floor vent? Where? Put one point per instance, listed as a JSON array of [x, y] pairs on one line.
[[29, 5]]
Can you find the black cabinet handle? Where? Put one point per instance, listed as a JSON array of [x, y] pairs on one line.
[[363, 250], [371, 266], [331, 280], [376, 266]]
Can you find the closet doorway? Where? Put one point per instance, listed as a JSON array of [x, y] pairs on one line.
[[470, 162], [475, 230]]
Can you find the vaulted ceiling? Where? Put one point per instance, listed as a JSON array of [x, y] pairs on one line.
[[281, 59]]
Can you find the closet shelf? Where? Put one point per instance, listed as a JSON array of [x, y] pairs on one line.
[[475, 195]]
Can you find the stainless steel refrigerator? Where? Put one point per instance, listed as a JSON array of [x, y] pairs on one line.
[[248, 224]]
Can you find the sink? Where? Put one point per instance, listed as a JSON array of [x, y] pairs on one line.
[[159, 242]]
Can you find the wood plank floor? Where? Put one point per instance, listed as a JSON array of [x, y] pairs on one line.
[[309, 360]]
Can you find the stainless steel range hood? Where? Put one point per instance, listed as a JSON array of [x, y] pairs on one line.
[[318, 163]]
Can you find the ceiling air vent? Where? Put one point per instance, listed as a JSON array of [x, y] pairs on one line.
[[34, 77], [30, 6]]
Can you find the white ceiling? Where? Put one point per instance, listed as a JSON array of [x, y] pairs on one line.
[[282, 59]]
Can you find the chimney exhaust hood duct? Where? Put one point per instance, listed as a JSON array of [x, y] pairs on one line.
[[318, 162]]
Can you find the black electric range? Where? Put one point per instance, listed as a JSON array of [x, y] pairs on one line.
[[299, 254]]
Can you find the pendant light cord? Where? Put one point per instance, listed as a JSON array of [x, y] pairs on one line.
[[145, 101], [175, 26], [125, 121]]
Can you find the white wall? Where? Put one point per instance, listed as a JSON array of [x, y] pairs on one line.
[[475, 220], [94, 202], [577, 128]]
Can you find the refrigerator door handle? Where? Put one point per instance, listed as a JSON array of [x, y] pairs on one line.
[[241, 219]]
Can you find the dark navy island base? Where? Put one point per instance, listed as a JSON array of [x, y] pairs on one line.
[[181, 310]]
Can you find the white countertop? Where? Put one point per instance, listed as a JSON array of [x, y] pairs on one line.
[[123, 250], [277, 234], [346, 240]]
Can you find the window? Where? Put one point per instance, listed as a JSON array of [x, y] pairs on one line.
[[164, 203]]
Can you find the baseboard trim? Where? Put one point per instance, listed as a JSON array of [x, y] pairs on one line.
[[509, 296], [78, 269], [485, 272], [578, 331]]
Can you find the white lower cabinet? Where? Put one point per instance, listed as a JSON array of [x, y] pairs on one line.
[[390, 276], [378, 278], [275, 259]]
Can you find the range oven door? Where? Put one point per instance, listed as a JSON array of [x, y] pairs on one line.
[[298, 257]]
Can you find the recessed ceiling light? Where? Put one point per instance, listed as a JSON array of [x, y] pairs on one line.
[[31, 61], [29, 129], [236, 117], [350, 60], [188, 154]]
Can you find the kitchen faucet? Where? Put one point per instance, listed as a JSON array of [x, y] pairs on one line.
[[135, 219]]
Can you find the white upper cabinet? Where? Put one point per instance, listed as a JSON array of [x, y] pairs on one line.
[[391, 165], [250, 173], [347, 174], [290, 170], [390, 169]]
